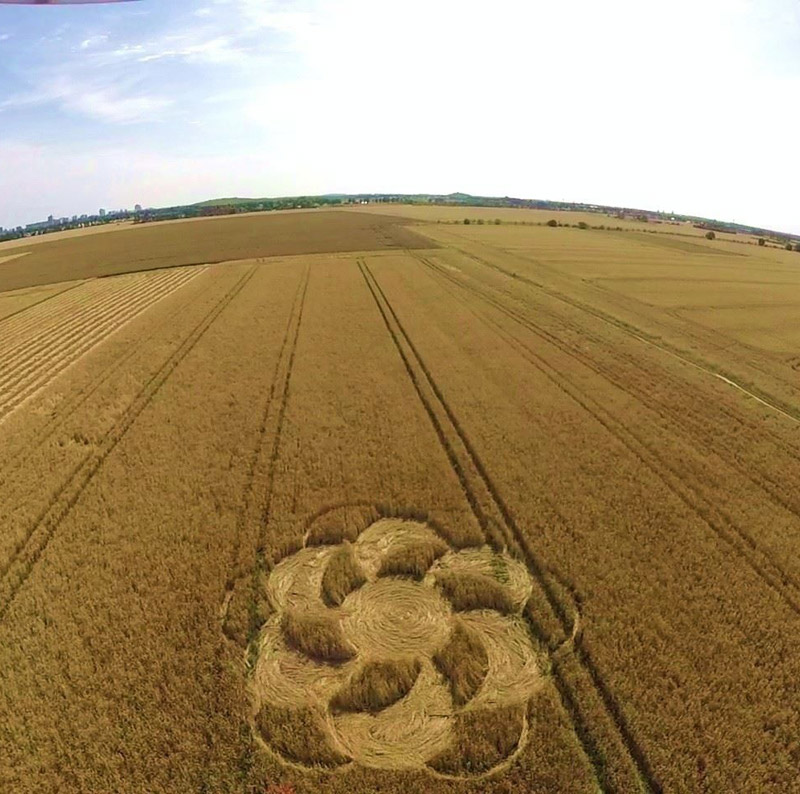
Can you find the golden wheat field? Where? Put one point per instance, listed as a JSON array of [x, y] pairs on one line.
[[358, 501]]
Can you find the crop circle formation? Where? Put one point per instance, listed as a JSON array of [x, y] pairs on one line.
[[390, 650]]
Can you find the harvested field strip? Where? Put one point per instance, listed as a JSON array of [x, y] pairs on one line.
[[17, 569], [48, 314], [49, 296], [73, 309], [73, 342], [715, 517], [610, 772], [45, 359], [92, 304], [21, 341], [21, 346], [78, 398]]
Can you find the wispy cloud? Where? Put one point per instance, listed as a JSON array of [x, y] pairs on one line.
[[93, 41], [291, 82], [218, 50], [239, 33], [108, 103]]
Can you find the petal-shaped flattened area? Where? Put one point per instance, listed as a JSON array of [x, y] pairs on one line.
[[295, 582], [378, 539], [283, 677], [510, 573], [513, 673], [405, 735]]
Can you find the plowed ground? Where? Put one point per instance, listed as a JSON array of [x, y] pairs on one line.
[[362, 439], [159, 245]]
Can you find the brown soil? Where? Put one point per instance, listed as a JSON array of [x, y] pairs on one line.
[[213, 240]]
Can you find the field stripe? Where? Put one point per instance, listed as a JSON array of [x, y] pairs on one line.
[[254, 511], [781, 490], [48, 314], [17, 570], [37, 364], [765, 567], [77, 315], [258, 487], [31, 358], [468, 460], [76, 399], [782, 409], [31, 306]]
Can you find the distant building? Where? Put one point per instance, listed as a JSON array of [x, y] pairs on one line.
[[102, 213], [137, 208], [49, 218]]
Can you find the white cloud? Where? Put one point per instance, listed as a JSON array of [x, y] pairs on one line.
[[220, 50], [93, 41], [656, 105], [108, 103]]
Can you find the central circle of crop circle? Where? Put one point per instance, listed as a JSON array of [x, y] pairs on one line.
[[391, 617]]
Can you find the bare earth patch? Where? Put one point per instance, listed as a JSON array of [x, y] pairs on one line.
[[9, 257]]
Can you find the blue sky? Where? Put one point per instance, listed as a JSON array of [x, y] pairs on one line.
[[688, 105]]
